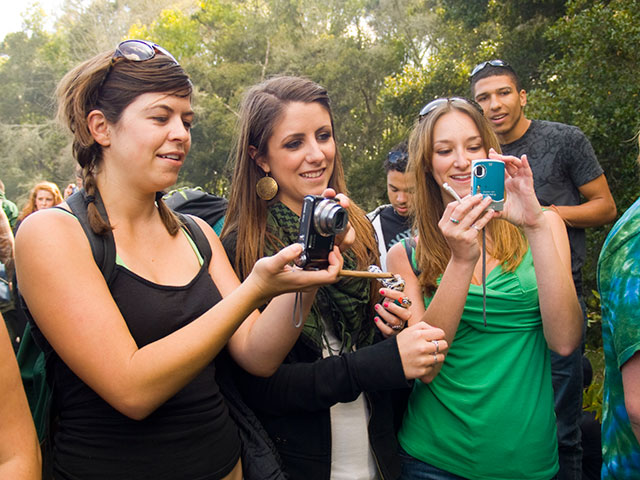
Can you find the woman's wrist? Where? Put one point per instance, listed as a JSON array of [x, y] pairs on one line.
[[254, 291], [461, 266], [540, 227]]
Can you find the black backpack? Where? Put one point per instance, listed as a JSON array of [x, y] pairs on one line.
[[199, 203]]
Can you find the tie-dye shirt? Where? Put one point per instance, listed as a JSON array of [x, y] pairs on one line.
[[619, 285]]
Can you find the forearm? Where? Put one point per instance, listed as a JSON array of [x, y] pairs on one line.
[[559, 307], [19, 448], [635, 426], [445, 310], [192, 347], [593, 213], [272, 334], [631, 384], [154, 373]]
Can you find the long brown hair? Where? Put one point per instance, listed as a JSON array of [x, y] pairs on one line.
[[506, 243], [110, 86], [30, 207], [261, 109]]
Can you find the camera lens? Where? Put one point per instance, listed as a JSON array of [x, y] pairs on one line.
[[329, 218], [479, 171]]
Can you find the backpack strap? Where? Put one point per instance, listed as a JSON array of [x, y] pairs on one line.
[[197, 235], [103, 247]]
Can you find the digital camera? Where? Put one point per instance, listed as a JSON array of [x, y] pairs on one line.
[[321, 220], [487, 178]]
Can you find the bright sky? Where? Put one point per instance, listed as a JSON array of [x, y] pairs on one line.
[[11, 20]]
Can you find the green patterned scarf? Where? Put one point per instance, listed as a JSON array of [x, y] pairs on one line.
[[342, 306]]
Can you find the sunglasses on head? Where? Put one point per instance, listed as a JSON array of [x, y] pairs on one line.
[[493, 63], [397, 156], [139, 51], [433, 104], [136, 51]]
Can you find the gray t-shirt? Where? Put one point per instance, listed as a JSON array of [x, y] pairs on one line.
[[562, 159]]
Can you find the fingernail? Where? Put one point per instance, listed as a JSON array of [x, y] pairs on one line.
[[385, 304], [382, 291], [377, 306], [375, 319]]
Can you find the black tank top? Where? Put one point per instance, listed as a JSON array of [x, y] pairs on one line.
[[191, 436]]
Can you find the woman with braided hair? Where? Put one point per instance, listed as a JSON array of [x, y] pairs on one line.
[[131, 361]]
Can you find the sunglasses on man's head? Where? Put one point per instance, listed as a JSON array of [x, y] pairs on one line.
[[493, 63], [433, 104], [397, 156]]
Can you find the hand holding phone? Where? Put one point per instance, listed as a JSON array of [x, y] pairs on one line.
[[487, 178]]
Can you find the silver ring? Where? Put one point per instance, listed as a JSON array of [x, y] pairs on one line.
[[435, 342], [435, 358], [397, 327], [454, 220], [476, 227]]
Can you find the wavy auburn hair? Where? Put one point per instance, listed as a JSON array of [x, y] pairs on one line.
[[31, 207]]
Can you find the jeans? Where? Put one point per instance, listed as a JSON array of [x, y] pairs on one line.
[[414, 469], [566, 373]]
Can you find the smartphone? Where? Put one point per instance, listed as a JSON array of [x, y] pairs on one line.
[[487, 178]]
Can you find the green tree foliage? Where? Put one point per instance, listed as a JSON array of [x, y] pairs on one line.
[[594, 82], [30, 144], [381, 61], [237, 44]]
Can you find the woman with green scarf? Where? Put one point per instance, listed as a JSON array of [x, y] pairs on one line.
[[328, 409]]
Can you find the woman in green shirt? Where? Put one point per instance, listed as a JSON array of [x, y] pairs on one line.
[[488, 414]]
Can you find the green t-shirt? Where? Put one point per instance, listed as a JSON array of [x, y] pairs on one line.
[[489, 413], [619, 286]]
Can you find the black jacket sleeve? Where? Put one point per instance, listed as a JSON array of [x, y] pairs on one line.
[[306, 383], [309, 386]]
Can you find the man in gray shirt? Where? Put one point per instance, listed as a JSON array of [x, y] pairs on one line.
[[564, 168]]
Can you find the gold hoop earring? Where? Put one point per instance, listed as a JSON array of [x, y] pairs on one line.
[[267, 188]]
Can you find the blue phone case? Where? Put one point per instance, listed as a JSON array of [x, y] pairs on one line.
[[487, 177]]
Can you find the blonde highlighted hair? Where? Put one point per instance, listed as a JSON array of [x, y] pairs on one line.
[[506, 243]]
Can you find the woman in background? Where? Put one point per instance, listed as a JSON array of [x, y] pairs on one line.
[[43, 195]]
